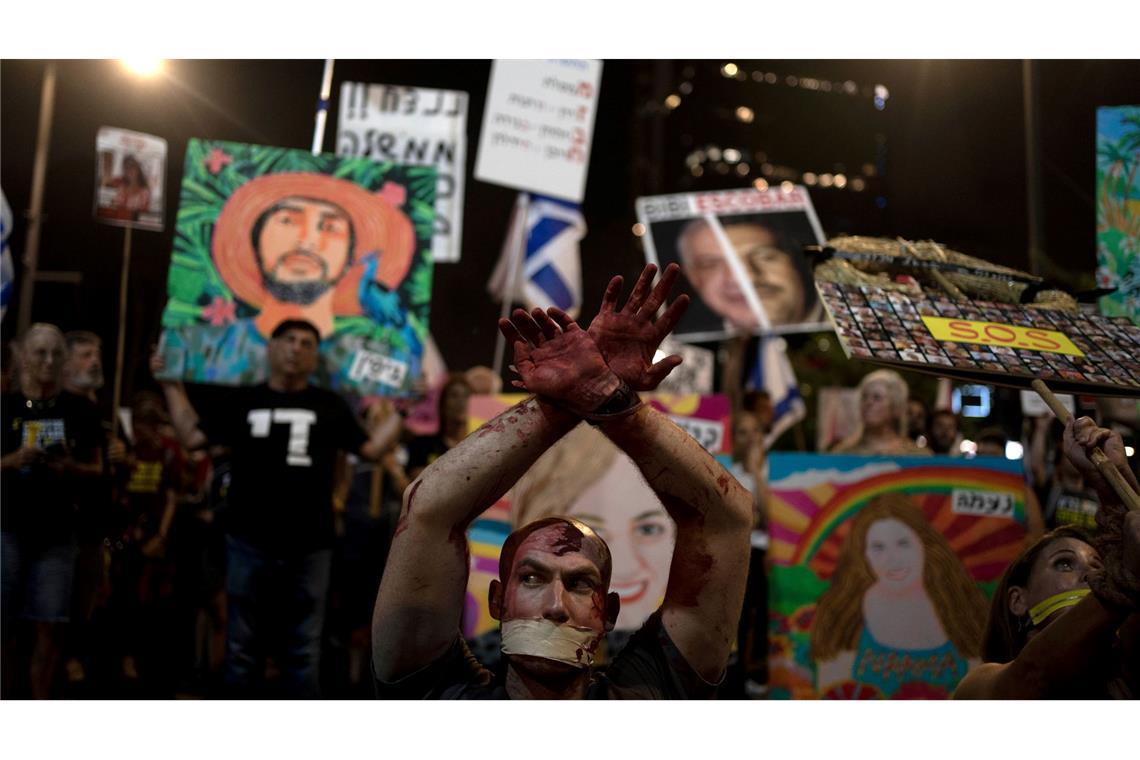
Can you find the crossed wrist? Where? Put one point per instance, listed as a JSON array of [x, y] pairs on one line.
[[622, 402]]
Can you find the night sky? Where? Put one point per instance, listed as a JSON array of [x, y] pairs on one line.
[[949, 148]]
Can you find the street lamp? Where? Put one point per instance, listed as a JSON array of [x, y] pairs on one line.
[[143, 67]]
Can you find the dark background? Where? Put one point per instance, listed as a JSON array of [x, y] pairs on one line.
[[946, 153]]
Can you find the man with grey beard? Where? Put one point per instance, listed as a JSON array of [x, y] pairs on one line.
[[83, 368], [83, 376]]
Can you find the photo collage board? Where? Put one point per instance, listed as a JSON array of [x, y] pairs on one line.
[[1000, 343]]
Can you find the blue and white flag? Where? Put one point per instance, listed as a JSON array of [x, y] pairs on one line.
[[773, 373], [550, 272], [7, 273]]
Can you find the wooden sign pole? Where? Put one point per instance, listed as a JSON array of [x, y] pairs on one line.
[[124, 283], [1099, 458]]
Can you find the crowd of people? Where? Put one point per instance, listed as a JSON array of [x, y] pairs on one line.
[[282, 541]]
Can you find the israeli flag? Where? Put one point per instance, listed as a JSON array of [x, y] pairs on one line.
[[550, 273], [7, 272], [773, 373]]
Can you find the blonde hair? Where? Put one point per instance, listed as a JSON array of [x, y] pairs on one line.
[[958, 603], [553, 483], [897, 392]]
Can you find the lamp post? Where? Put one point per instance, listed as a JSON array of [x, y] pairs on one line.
[[35, 211]]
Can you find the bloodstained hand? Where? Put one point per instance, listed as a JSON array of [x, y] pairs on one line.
[[558, 361], [628, 337]]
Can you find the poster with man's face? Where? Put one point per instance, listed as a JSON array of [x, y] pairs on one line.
[[741, 258], [267, 235], [130, 172]]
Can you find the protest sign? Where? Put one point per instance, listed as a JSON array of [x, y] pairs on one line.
[[880, 570], [587, 477], [268, 234], [694, 374], [985, 341], [1118, 210], [538, 122], [130, 176], [414, 126], [1033, 406], [741, 255]]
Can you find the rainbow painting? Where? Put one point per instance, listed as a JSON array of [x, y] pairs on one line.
[[968, 512]]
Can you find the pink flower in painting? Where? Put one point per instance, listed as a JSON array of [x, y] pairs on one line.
[[217, 160], [220, 312], [393, 193]]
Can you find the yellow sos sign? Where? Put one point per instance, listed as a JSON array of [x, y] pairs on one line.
[[998, 334]]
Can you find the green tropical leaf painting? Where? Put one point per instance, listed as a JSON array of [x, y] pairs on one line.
[[372, 334]]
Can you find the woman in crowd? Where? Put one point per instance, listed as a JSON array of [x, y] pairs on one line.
[[425, 449], [1063, 620], [883, 425], [901, 607]]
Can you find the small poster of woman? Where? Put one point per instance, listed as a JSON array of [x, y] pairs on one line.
[[130, 170]]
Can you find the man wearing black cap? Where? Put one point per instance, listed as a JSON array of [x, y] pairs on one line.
[[285, 435]]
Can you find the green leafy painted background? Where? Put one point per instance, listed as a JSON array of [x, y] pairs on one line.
[[194, 283], [1118, 210]]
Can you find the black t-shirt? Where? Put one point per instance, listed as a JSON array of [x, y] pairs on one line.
[[39, 503], [425, 449], [649, 667], [282, 469]]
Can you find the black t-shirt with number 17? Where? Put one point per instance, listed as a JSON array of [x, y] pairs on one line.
[[284, 448]]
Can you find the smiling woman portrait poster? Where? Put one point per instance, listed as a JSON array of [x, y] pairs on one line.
[[881, 570]]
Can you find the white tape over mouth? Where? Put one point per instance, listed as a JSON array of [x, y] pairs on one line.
[[568, 644]]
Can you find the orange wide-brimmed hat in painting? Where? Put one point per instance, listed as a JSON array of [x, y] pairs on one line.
[[378, 227]]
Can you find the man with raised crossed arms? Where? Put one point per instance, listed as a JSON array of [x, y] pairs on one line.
[[553, 593]]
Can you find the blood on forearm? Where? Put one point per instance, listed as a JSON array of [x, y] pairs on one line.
[[464, 482], [693, 487]]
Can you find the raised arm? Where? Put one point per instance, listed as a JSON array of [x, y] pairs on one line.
[[713, 512], [182, 413], [384, 427], [1062, 653], [421, 595], [1068, 648]]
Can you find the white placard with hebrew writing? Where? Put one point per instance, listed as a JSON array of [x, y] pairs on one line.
[[416, 126], [538, 124]]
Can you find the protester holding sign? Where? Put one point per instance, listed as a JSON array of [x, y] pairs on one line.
[[553, 593], [1063, 622]]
